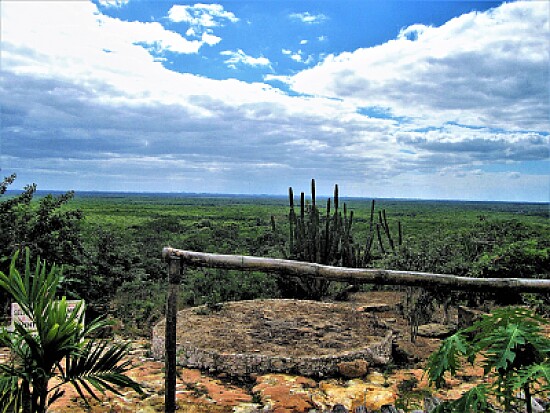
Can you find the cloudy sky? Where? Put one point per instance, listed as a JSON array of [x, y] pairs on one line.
[[409, 99]]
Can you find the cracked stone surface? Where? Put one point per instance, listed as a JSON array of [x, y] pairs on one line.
[[302, 337]]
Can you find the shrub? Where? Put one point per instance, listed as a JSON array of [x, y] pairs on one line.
[[514, 355]]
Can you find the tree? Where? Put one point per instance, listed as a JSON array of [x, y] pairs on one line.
[[514, 354], [58, 346], [46, 227]]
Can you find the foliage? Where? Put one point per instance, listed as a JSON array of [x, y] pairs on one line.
[[514, 355], [139, 304], [111, 244], [212, 286], [523, 259], [110, 262], [47, 227], [58, 347]]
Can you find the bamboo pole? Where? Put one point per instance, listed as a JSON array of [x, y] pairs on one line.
[[356, 275]]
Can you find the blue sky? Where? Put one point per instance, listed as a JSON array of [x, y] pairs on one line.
[[406, 99]]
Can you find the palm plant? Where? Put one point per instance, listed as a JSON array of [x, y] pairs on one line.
[[515, 357], [58, 346]]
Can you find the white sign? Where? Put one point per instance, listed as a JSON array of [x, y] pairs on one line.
[[19, 316]]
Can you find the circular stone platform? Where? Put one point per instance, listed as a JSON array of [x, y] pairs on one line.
[[307, 338]]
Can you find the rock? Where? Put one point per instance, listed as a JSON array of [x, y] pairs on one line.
[[467, 316], [544, 403], [147, 409], [374, 308], [537, 407], [376, 378], [247, 408], [353, 369], [435, 330], [284, 393], [339, 408], [354, 394], [388, 408], [430, 403]]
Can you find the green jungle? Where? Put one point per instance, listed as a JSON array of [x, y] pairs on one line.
[[110, 243]]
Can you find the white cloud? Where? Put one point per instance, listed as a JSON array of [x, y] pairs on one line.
[[155, 35], [113, 3], [201, 15], [210, 39], [303, 42], [308, 18], [240, 57], [482, 68], [298, 56], [278, 78], [88, 104]]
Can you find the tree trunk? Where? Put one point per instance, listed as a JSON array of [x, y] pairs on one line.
[[26, 396]]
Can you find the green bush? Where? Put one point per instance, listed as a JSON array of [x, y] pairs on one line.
[[520, 259], [514, 355], [139, 304], [210, 286]]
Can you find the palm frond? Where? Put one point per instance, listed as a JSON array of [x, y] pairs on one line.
[[11, 395], [100, 365]]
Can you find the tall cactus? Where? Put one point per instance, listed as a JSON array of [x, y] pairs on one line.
[[328, 238]]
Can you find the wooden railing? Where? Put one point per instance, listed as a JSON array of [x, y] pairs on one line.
[[178, 260]]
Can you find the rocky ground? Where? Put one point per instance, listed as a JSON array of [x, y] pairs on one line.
[[279, 393], [358, 384]]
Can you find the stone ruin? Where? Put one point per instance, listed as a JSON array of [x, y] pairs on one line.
[[306, 338]]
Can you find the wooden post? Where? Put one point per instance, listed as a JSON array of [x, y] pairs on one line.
[[175, 270]]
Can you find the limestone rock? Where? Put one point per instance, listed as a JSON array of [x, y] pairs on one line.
[[285, 394], [353, 369], [435, 330], [356, 393], [374, 308]]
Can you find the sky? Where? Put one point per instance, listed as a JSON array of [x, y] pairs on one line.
[[392, 99]]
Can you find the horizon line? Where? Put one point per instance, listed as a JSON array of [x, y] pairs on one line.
[[265, 195]]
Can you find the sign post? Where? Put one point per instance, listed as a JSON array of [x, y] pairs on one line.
[[19, 316]]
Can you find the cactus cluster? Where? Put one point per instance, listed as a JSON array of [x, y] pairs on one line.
[[327, 238]]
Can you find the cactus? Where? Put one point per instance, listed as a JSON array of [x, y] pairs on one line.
[[328, 238]]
